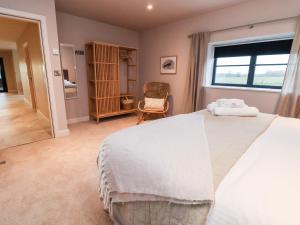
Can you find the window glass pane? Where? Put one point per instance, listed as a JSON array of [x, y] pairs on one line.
[[232, 75], [269, 75], [272, 59], [241, 60]]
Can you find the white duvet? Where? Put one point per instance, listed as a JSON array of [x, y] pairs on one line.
[[263, 188], [166, 159]]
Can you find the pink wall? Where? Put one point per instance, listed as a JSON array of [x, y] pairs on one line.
[[171, 39], [78, 31], [264, 100]]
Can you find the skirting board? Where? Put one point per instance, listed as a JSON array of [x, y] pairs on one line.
[[27, 101], [78, 119], [62, 133], [42, 115], [37, 110], [13, 91]]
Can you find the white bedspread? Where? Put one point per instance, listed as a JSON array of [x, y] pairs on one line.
[[167, 159], [263, 188]]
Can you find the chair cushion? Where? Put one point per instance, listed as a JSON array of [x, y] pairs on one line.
[[154, 104]]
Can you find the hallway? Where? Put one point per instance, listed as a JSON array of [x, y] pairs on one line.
[[19, 123]]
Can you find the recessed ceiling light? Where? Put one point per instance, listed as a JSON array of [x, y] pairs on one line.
[[149, 7]]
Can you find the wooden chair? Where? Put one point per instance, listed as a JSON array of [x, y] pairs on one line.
[[154, 90]]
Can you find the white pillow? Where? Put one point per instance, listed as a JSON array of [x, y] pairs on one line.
[[154, 103]]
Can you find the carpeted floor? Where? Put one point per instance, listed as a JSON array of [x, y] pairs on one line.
[[54, 182]]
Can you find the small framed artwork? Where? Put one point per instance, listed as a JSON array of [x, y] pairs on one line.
[[168, 65]]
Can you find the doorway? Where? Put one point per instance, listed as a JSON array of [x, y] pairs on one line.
[[25, 110], [30, 75], [3, 85]]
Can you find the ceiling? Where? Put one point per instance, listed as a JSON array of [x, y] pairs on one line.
[[133, 14], [11, 29]]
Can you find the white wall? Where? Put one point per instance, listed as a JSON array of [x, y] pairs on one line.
[[46, 8], [79, 31], [17, 71], [171, 39]]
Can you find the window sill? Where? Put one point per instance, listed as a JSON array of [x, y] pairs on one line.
[[243, 88]]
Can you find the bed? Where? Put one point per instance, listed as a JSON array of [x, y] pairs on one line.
[[229, 140]]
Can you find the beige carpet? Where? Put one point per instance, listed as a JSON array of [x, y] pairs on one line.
[[54, 182]]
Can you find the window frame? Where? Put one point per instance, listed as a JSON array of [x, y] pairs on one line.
[[251, 72]]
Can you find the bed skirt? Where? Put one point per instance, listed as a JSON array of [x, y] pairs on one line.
[[158, 213]]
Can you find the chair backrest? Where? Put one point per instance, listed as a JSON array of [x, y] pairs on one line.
[[156, 90]]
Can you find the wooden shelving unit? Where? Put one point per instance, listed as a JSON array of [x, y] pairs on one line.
[[104, 83]]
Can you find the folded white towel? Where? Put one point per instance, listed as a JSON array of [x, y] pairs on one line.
[[211, 107], [245, 111], [230, 103], [231, 107]]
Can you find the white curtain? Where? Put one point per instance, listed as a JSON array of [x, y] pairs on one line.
[[289, 102], [194, 90]]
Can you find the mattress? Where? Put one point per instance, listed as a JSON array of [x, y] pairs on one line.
[[269, 175], [228, 139]]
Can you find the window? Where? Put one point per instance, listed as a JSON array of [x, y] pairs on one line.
[[232, 70], [258, 65]]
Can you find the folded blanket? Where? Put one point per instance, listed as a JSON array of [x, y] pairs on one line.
[[230, 103], [164, 160], [245, 111]]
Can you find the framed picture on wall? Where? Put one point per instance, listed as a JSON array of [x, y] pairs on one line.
[[168, 65]]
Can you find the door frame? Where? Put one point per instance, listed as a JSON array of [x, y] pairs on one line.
[[49, 79], [3, 75], [30, 75]]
